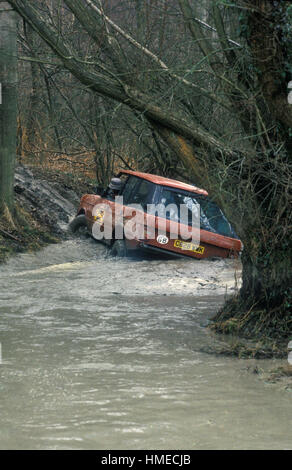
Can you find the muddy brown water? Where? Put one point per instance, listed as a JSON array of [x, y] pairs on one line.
[[102, 353]]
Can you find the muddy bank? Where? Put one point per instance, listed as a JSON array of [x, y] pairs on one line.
[[45, 200], [50, 203]]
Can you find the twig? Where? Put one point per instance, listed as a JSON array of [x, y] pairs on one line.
[[9, 234]]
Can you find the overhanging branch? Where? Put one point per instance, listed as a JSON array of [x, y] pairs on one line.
[[123, 93]]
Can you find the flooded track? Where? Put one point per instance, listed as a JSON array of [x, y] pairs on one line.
[[102, 353]]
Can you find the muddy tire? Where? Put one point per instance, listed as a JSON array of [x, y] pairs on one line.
[[119, 249], [78, 223]]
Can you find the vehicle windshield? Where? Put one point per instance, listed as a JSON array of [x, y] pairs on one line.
[[212, 218]]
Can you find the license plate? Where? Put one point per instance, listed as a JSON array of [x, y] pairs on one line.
[[189, 246]]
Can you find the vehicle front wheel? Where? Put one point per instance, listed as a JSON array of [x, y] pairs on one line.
[[119, 248], [78, 224]]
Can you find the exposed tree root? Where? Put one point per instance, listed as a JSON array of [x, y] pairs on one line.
[[272, 325]]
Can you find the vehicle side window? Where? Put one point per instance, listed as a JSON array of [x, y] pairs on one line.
[[213, 219], [131, 183], [142, 194]]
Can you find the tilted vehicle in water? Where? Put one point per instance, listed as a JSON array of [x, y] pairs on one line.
[[120, 217]]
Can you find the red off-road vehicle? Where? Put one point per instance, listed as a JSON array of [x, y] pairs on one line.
[[114, 220]]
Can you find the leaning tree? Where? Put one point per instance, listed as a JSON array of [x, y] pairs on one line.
[[235, 140]]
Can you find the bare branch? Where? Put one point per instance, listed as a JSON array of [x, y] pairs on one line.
[[111, 88], [197, 34], [154, 57], [207, 26], [229, 53]]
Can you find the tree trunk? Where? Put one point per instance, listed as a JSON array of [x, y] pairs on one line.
[[140, 20], [33, 116], [265, 280], [8, 106], [263, 305]]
